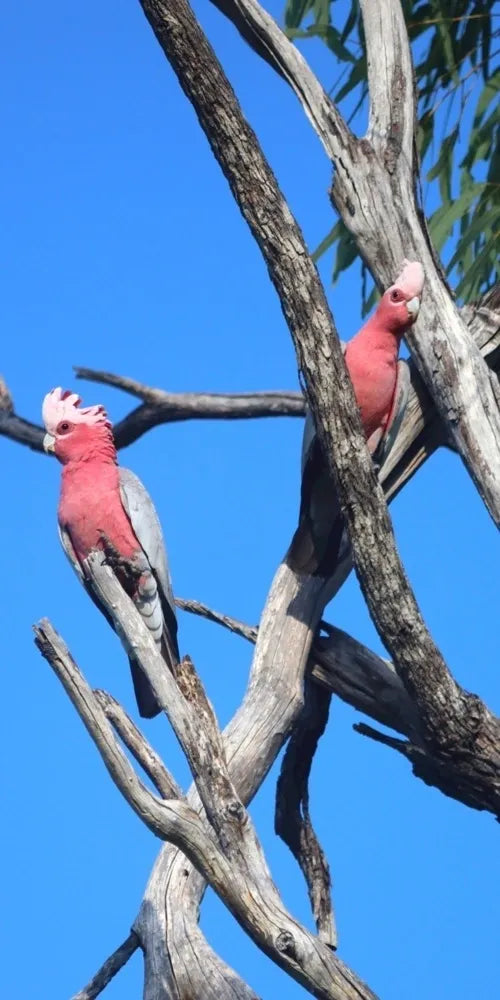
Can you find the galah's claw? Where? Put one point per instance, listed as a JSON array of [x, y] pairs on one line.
[[112, 558]]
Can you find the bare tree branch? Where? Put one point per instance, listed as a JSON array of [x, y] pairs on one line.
[[139, 747], [292, 817], [262, 32], [364, 680], [253, 740], [203, 405], [235, 868], [164, 408], [109, 969], [232, 624]]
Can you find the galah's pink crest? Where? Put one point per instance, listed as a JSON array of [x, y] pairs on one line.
[[98, 498]]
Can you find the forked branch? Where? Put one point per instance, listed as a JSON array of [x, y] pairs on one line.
[[225, 850]]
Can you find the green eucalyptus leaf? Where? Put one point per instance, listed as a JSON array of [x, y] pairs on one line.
[[441, 223], [328, 241], [443, 167], [347, 252], [295, 12]]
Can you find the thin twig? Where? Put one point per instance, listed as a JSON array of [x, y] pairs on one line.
[[203, 611], [109, 969]]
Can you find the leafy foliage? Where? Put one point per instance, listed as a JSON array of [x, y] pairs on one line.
[[455, 51]]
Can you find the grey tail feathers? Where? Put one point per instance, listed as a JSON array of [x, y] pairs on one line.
[[144, 694]]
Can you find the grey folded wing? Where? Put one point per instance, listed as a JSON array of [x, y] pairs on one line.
[[67, 545], [401, 394], [147, 529]]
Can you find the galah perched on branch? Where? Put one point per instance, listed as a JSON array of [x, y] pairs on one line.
[[381, 385], [101, 503]]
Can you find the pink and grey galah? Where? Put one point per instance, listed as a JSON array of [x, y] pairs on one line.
[[381, 386], [101, 501]]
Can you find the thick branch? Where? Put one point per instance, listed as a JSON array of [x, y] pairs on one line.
[[180, 698], [261, 32]]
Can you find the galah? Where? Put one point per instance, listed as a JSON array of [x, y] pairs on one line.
[[101, 502], [381, 385]]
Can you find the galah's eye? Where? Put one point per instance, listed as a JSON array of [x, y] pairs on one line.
[[63, 427], [396, 296]]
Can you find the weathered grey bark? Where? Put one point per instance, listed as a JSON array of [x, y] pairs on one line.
[[109, 969], [179, 960], [292, 820], [222, 845], [143, 753]]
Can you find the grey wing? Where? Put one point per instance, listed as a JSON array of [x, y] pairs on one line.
[[146, 700], [396, 415], [146, 524], [67, 545], [320, 515], [307, 440]]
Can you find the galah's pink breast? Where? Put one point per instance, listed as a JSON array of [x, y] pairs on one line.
[[373, 374], [90, 506]]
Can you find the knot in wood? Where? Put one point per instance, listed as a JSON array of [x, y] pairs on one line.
[[235, 810], [285, 943]]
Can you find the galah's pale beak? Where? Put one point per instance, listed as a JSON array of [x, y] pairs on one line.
[[413, 306], [49, 444]]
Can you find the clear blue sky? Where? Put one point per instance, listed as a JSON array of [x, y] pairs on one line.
[[122, 249]]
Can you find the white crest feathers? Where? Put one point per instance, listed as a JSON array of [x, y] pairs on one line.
[[61, 404]]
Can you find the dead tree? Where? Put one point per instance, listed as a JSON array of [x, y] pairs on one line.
[[449, 736]]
